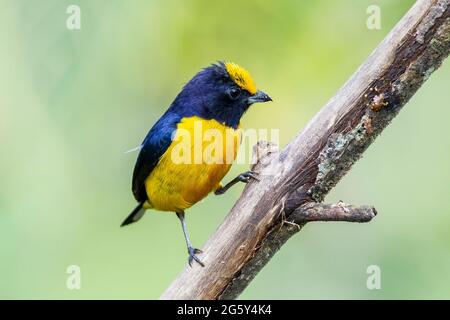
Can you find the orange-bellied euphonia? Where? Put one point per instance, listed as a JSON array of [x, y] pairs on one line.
[[213, 101]]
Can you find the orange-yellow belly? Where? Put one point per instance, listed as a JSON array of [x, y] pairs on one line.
[[199, 157]]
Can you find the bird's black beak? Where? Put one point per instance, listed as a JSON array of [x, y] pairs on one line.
[[259, 96]]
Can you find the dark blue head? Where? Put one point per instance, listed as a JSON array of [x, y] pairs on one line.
[[222, 91]]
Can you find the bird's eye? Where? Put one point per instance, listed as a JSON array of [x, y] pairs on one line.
[[234, 93]]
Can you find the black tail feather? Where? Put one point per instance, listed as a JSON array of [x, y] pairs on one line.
[[135, 215]]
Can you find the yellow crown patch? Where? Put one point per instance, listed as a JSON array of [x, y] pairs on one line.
[[241, 77]]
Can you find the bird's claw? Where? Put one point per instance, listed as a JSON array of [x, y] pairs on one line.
[[243, 177], [246, 176], [192, 256]]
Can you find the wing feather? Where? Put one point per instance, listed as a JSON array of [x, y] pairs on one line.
[[154, 145]]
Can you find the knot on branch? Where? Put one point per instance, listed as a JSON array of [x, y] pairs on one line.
[[262, 153]]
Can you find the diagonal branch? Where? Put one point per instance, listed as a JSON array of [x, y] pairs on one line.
[[317, 158]]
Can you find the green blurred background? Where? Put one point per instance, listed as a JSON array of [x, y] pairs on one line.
[[72, 102]]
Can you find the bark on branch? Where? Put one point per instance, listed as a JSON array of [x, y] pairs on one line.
[[298, 177], [332, 212]]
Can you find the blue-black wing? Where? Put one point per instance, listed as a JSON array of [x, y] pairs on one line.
[[154, 145]]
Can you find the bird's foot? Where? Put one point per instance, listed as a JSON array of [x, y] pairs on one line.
[[246, 176], [243, 177], [192, 256]]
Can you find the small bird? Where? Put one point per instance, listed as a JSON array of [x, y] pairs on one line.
[[169, 174]]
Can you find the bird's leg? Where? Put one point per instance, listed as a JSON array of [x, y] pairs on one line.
[[191, 250], [243, 177]]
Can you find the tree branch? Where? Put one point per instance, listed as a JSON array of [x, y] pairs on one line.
[[332, 212], [270, 211]]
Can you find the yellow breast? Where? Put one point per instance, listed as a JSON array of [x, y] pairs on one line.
[[199, 157]]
